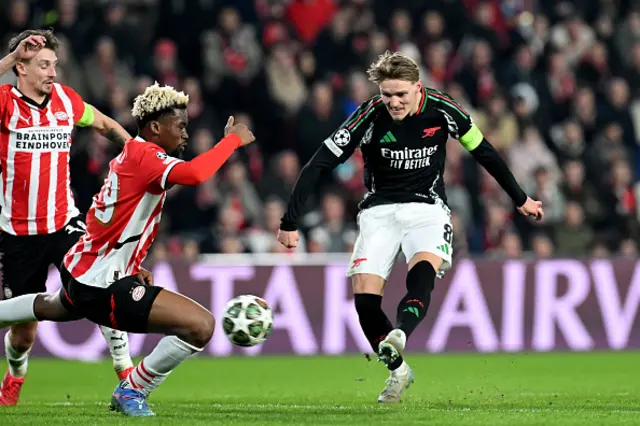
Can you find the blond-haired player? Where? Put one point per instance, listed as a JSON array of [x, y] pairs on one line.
[[402, 133], [104, 282]]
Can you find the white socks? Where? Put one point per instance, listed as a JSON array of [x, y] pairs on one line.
[[20, 310], [18, 361], [156, 366], [118, 342], [17, 310]]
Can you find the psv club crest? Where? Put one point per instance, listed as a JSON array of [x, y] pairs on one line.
[[61, 115]]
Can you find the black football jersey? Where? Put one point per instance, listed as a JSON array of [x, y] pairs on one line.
[[404, 160]]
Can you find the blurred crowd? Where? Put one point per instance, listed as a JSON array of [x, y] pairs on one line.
[[553, 84]]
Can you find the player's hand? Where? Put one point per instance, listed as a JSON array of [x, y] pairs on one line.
[[146, 276], [246, 136], [29, 47], [289, 239], [532, 208]]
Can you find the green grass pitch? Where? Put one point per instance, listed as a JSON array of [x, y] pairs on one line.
[[497, 389]]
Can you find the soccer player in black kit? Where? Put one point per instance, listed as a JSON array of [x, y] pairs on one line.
[[402, 134]]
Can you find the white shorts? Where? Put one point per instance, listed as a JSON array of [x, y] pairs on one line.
[[412, 227]]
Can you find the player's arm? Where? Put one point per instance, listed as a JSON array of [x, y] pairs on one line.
[[7, 63], [204, 166], [27, 49], [104, 125], [485, 154], [157, 168], [461, 127], [336, 149]]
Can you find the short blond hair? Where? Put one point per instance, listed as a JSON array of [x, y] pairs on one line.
[[157, 100], [394, 66]]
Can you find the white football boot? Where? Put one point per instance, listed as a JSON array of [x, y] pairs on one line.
[[401, 378]]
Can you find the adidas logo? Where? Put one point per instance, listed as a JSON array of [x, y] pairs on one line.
[[413, 310], [388, 138], [444, 248]]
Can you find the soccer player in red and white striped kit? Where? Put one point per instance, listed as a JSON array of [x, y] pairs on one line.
[[102, 282], [39, 221]]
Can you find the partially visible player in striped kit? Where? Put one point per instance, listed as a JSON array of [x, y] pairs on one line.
[[39, 221]]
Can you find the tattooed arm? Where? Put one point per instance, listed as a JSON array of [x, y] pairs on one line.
[[104, 125]]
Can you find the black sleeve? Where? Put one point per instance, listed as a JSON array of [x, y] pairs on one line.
[[488, 157], [335, 149], [461, 127], [322, 161]]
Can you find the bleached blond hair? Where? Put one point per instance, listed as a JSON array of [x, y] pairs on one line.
[[156, 99]]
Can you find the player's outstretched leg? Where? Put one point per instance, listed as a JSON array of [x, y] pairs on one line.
[[411, 311], [21, 314], [414, 305], [188, 327], [367, 289], [118, 342], [376, 327]]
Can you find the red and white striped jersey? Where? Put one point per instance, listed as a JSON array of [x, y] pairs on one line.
[[35, 191], [124, 217]]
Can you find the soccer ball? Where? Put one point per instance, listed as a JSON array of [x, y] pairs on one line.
[[247, 320]]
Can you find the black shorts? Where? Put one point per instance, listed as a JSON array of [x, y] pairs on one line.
[[25, 259], [124, 305]]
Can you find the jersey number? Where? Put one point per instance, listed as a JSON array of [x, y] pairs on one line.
[[107, 199], [448, 233]]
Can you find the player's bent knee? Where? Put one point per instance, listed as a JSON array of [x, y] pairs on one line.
[[435, 260], [48, 307], [367, 283], [200, 330]]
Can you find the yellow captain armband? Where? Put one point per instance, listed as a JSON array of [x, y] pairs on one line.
[[472, 138], [87, 117]]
